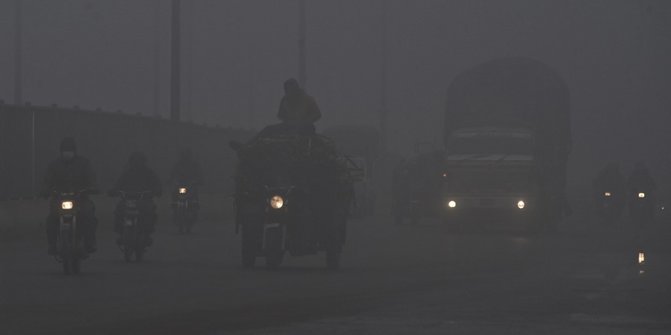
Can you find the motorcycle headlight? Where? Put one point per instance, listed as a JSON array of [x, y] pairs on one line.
[[276, 202], [67, 205], [521, 204], [182, 190], [641, 195], [607, 194], [452, 204]]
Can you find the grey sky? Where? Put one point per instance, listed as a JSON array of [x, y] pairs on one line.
[[613, 54]]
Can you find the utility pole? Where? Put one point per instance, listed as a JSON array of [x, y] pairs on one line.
[[175, 69], [302, 52], [18, 53], [383, 76], [157, 58]]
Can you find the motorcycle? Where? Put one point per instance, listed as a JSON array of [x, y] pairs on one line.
[[70, 239], [641, 207], [134, 238], [282, 222], [185, 208]]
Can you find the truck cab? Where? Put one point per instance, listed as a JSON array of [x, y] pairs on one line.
[[491, 173]]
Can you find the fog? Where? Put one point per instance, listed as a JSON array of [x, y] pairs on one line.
[[614, 55]]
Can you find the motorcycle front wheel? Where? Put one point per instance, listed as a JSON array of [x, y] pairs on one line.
[[129, 238]]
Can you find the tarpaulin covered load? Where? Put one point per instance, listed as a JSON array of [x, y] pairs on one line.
[[512, 92]]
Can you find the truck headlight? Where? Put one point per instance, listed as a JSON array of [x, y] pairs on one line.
[[182, 190], [641, 195], [67, 205], [521, 204], [276, 202], [452, 204], [607, 194]]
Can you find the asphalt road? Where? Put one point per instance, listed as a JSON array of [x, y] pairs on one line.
[[421, 279]]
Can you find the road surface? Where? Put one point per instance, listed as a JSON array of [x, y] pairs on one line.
[[422, 279]]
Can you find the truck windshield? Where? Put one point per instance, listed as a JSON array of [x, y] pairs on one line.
[[491, 145]]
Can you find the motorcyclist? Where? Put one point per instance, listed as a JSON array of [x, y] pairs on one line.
[[71, 173], [186, 168], [297, 108], [138, 177], [186, 172], [610, 180]]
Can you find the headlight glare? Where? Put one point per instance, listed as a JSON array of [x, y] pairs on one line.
[[276, 202], [182, 190], [641, 195], [521, 204], [451, 204], [67, 205]]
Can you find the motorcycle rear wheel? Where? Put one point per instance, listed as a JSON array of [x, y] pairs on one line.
[[67, 269], [76, 265], [128, 254], [139, 254]]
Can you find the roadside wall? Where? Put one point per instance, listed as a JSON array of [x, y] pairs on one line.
[[107, 139]]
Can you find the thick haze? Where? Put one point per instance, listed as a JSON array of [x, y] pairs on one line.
[[614, 56]]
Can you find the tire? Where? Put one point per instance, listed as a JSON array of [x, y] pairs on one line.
[[248, 250], [67, 269], [249, 246], [178, 220], [273, 248], [127, 254], [139, 254], [75, 265], [334, 242], [66, 254], [129, 238]]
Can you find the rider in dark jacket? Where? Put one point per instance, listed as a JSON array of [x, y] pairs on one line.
[[186, 173], [138, 177], [71, 173], [186, 170]]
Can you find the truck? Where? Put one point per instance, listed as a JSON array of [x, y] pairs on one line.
[[507, 140]]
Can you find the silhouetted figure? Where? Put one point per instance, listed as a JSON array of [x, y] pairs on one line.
[[186, 173], [138, 177], [186, 169], [70, 173], [296, 106]]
